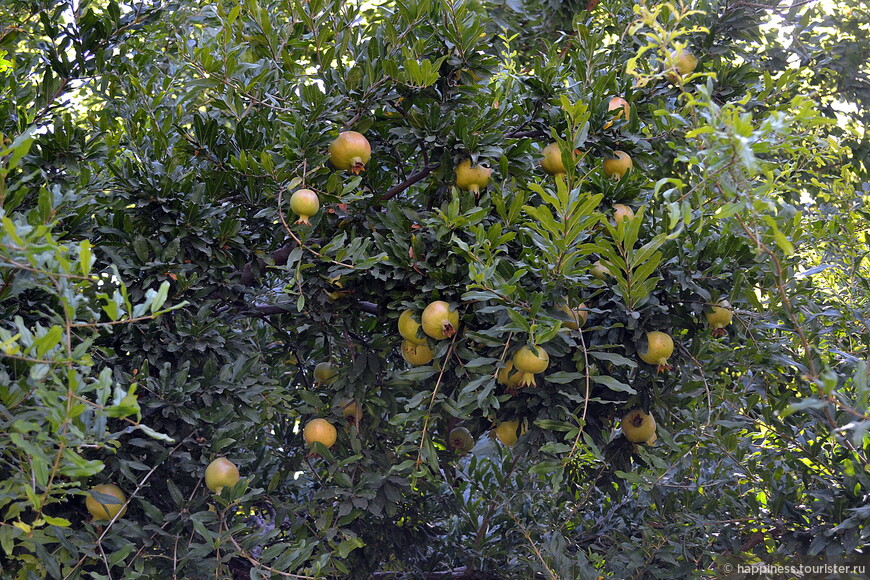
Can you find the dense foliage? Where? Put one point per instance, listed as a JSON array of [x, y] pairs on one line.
[[161, 308]]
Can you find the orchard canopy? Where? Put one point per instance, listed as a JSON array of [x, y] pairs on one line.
[[431, 289]]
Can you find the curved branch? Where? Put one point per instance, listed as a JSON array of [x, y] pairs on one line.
[[419, 176]]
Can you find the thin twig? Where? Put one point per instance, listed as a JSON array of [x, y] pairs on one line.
[[257, 564], [129, 499]]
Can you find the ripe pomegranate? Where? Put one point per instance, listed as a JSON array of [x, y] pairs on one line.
[[508, 377], [622, 212], [408, 328], [416, 354], [461, 439], [659, 347], [506, 432], [618, 103], [718, 317], [320, 431], [684, 61], [577, 317], [439, 321], [638, 427], [106, 511], [220, 473], [350, 151], [600, 271], [616, 168], [351, 411], [472, 178], [324, 373], [305, 204], [552, 160], [529, 361]]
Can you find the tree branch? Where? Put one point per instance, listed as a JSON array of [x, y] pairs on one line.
[[463, 573], [285, 307], [419, 176]]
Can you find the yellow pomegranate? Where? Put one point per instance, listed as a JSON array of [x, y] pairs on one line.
[[325, 373], [618, 103], [718, 317], [350, 151], [577, 317], [638, 427], [622, 212], [408, 328], [600, 271], [440, 321], [221, 473], [616, 168], [416, 354], [472, 178], [508, 376], [684, 61], [659, 347], [351, 411], [106, 511], [305, 204], [529, 361], [320, 431], [506, 432], [552, 159]]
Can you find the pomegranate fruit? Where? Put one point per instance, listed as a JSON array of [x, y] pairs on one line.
[[506, 432], [221, 473], [461, 439], [508, 376], [324, 373], [622, 212], [684, 61], [638, 427], [351, 411], [440, 321], [320, 431], [616, 168], [416, 354], [618, 103], [409, 328], [529, 361], [106, 511], [305, 204], [552, 159], [600, 271], [658, 348], [577, 317], [350, 151], [472, 178], [718, 317]]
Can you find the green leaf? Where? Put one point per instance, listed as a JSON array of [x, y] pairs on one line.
[[48, 341], [160, 298], [59, 522], [85, 257], [613, 384]]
